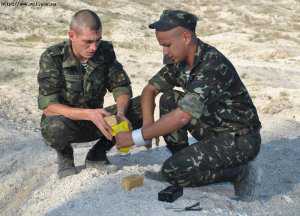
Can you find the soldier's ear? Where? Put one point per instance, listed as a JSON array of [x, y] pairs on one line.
[[187, 37], [71, 34]]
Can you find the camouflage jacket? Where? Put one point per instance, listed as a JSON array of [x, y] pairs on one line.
[[62, 79], [214, 94]]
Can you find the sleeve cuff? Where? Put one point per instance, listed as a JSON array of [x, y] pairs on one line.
[[44, 101], [121, 91], [191, 104], [159, 84], [151, 82]]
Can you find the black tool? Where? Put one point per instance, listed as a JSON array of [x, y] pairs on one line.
[[170, 193], [194, 207]]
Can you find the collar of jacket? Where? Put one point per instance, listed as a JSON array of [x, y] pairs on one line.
[[197, 56], [69, 59]]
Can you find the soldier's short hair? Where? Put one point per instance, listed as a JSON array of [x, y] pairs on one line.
[[86, 19]]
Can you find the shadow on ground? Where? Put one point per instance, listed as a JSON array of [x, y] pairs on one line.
[[279, 162]]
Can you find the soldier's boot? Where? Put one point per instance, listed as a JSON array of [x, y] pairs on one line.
[[156, 176], [245, 182], [65, 160], [96, 158]]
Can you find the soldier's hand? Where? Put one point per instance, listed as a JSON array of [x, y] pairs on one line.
[[97, 117], [123, 139]]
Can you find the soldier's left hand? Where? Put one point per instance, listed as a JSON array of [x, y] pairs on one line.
[[123, 139]]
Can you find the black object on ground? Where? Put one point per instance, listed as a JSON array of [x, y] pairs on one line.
[[170, 194], [194, 207]]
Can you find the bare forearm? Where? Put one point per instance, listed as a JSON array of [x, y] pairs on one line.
[[148, 104], [94, 115], [122, 104], [166, 124], [67, 111]]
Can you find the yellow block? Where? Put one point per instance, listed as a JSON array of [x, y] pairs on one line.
[[121, 127], [132, 181], [117, 128]]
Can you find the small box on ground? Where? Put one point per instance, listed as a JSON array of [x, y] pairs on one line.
[[130, 182], [170, 194]]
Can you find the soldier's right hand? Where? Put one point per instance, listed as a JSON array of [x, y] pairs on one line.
[[97, 117]]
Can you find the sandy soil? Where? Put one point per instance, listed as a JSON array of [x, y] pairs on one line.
[[261, 38]]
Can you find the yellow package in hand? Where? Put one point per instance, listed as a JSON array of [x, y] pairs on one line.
[[121, 127]]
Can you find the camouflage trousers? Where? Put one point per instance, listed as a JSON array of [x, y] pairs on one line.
[[213, 158], [59, 132]]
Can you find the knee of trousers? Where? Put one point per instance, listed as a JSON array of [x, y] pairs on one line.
[[54, 131], [169, 171], [178, 167], [180, 175]]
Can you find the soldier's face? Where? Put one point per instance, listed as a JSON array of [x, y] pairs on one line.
[[174, 44], [85, 42]]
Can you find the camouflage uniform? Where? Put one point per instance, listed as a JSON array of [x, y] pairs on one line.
[[62, 79], [224, 119]]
